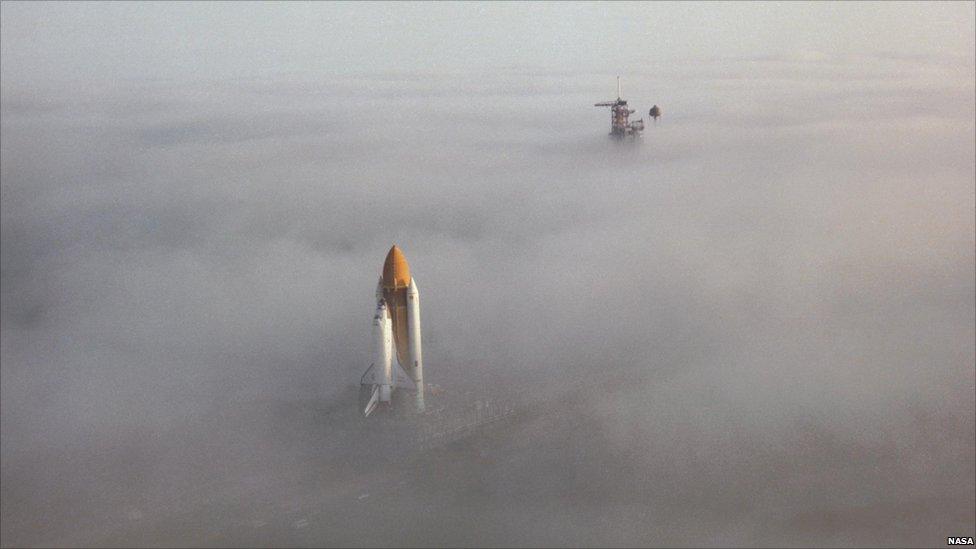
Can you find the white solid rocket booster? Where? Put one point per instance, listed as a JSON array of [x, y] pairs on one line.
[[415, 351]]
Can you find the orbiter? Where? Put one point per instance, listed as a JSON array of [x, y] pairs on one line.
[[396, 327]]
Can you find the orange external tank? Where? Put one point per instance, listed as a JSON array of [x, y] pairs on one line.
[[396, 280]]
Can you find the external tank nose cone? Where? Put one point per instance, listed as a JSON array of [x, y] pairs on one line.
[[396, 271]]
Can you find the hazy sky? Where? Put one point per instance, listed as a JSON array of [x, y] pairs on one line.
[[119, 41], [778, 282]]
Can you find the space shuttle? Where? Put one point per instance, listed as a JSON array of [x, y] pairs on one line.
[[395, 337]]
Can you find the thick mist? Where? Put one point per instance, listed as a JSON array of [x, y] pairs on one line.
[[772, 295]]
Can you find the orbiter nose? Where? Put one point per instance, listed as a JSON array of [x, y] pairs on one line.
[[380, 309]]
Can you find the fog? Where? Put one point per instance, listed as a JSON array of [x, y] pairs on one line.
[[768, 301]]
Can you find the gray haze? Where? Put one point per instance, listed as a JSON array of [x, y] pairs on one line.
[[778, 283]]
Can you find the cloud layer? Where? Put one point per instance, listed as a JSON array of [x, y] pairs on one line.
[[780, 278]]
